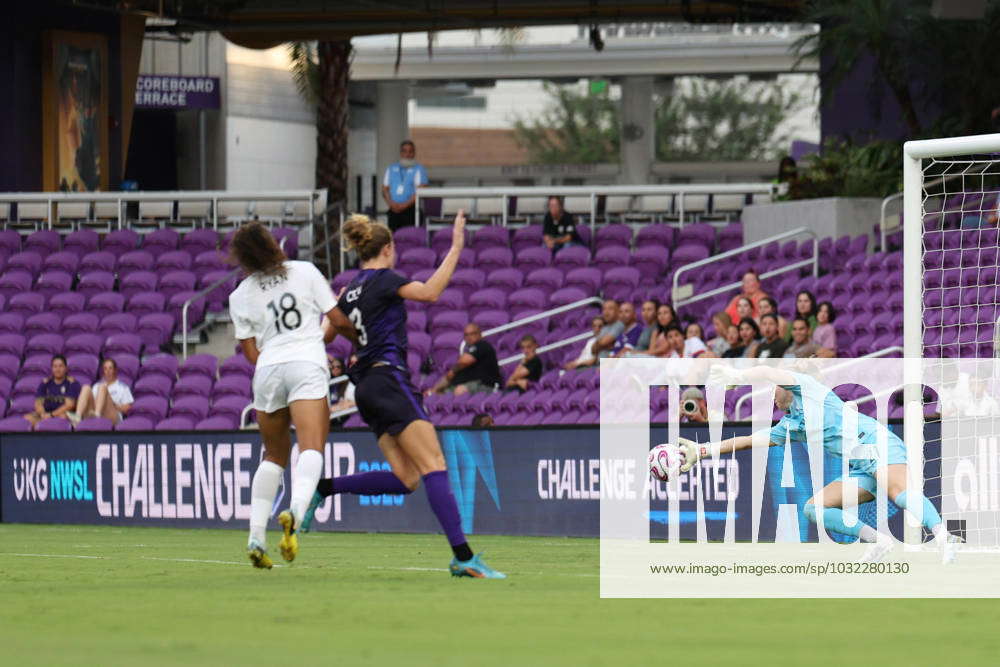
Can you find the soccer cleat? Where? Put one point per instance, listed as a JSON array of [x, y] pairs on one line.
[[474, 567], [949, 549], [310, 512], [289, 543], [877, 550], [258, 556]]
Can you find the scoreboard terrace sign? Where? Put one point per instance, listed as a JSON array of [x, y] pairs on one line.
[[169, 91]]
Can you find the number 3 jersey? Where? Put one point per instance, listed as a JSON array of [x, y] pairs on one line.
[[373, 305], [283, 313]]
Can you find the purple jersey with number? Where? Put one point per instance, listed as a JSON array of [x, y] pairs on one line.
[[372, 303], [628, 338]]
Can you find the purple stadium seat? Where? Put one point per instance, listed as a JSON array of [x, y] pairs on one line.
[[198, 241], [106, 303], [178, 423], [441, 240], [287, 238], [656, 234], [54, 425], [83, 366], [450, 299], [44, 242], [621, 283], [651, 262], [486, 299], [97, 261], [489, 237], [449, 320], [12, 343], [81, 242], [9, 365], [444, 350], [548, 279], [67, 262], [11, 323], [161, 241], [160, 364], [233, 385], [137, 260], [616, 234], [156, 330], [416, 259], [340, 348], [199, 364], [158, 386], [95, 282], [468, 280], [192, 385], [506, 279], [563, 297], [95, 424], [118, 323], [416, 320], [43, 323], [15, 282], [423, 276], [489, 319], [120, 242], [535, 257], [218, 423], [38, 364], [410, 237], [235, 366], [26, 304], [571, 258], [218, 298], [123, 343], [151, 406], [174, 260], [493, 258], [28, 261], [15, 424], [229, 404], [587, 279], [420, 343], [689, 252], [194, 407], [145, 303], [610, 257], [176, 282], [526, 298], [139, 281], [529, 236], [210, 261], [134, 423], [10, 241]]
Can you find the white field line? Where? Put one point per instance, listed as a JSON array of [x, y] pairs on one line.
[[55, 556]]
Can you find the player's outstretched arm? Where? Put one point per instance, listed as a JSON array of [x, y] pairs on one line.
[[431, 290], [723, 374], [694, 452]]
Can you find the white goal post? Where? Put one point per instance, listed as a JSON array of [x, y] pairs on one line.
[[951, 302]]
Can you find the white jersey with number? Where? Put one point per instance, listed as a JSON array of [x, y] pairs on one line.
[[283, 314]]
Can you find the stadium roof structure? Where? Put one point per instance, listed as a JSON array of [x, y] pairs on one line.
[[267, 23]]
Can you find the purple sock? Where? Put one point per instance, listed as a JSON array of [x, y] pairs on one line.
[[369, 484], [445, 508]]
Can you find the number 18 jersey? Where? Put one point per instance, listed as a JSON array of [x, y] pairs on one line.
[[283, 313]]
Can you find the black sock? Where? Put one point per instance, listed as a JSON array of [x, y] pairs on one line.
[[325, 487], [462, 551]]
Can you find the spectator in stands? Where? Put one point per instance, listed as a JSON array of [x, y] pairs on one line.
[[769, 306], [805, 307], [56, 395], [735, 349], [613, 327], [722, 324], [559, 227], [980, 403], [802, 346], [749, 337], [529, 371], [109, 398], [665, 318], [675, 342], [341, 393], [482, 420], [744, 309], [824, 334], [772, 346], [788, 178], [649, 309], [587, 357], [476, 369], [628, 339], [399, 186], [694, 341], [752, 291]]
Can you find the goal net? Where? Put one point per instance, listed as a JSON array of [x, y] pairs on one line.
[[951, 313]]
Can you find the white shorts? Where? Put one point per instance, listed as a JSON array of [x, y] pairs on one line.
[[274, 387]]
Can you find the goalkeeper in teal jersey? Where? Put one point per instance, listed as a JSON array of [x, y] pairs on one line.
[[797, 393]]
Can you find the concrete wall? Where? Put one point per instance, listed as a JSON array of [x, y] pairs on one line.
[[836, 216]]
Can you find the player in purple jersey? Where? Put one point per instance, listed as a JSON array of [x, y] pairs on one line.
[[385, 395]]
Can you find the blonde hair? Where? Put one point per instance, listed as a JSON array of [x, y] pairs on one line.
[[365, 237]]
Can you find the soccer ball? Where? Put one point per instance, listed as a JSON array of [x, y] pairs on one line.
[[664, 461]]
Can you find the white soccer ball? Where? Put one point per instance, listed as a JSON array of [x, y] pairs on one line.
[[665, 461]]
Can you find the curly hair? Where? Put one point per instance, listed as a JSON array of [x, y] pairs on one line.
[[365, 237], [256, 251]]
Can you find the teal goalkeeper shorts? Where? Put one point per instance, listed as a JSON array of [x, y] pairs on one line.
[[863, 470]]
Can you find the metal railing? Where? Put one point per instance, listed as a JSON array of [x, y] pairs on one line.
[[591, 300], [593, 192], [197, 296], [826, 369], [545, 348], [680, 300]]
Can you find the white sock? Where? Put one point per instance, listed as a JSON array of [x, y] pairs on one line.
[[307, 474], [868, 534], [940, 534], [262, 492]]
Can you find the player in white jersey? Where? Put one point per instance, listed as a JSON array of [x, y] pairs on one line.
[[797, 394], [277, 311]]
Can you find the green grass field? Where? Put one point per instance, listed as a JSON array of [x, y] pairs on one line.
[[161, 596]]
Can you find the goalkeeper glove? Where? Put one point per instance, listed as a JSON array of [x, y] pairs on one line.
[[692, 452], [724, 375]]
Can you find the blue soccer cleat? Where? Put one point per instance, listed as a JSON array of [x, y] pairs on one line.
[[307, 520], [474, 567]]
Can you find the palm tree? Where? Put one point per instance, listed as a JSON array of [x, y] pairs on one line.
[[888, 30]]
